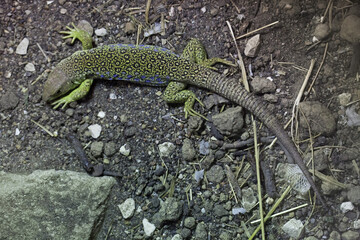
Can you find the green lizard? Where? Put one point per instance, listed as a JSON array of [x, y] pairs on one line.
[[157, 66]]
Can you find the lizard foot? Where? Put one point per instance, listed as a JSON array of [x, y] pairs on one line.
[[64, 100], [73, 33], [188, 109]]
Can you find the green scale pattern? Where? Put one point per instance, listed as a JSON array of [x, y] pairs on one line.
[[143, 64]]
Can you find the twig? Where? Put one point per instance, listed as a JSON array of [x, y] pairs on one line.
[[42, 51], [242, 65], [45, 129], [237, 9], [256, 30], [41, 76], [318, 71], [298, 98]]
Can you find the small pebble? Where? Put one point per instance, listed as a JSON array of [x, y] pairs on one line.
[[100, 32], [21, 49]]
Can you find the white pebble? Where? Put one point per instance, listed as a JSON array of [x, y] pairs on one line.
[[95, 130], [112, 96], [127, 208], [125, 150], [346, 207], [100, 32], [63, 11], [101, 114], [21, 49], [166, 149], [149, 228], [29, 67]]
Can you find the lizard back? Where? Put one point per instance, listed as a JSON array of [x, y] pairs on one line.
[[142, 64]]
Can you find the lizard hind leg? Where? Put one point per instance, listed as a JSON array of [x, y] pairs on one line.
[[195, 52], [175, 93]]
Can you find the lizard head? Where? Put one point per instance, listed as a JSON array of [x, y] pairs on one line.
[[57, 84]]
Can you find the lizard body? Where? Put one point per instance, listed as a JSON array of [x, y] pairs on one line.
[[158, 66]]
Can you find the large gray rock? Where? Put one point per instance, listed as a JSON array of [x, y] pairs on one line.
[[52, 205]]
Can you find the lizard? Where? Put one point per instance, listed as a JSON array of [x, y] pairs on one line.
[[158, 66]]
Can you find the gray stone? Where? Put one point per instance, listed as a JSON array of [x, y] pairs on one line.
[[350, 29], [86, 26], [321, 159], [204, 147], [185, 233], [334, 235], [189, 222], [52, 205], [95, 130], [70, 112], [220, 211], [129, 28], [249, 199], [188, 150], [350, 235], [215, 174], [125, 150], [354, 194], [201, 231], [346, 207], [230, 122], [322, 31], [293, 228], [262, 85], [318, 116], [9, 101], [344, 99], [110, 149], [96, 148], [170, 210], [149, 228], [252, 46], [177, 237]]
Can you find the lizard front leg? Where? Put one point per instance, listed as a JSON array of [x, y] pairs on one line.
[[77, 33], [75, 95]]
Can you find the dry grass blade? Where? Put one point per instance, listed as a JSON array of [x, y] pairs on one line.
[[271, 211], [256, 30], [300, 94], [246, 85], [283, 212], [318, 71], [45, 129], [328, 179], [235, 187], [147, 9]]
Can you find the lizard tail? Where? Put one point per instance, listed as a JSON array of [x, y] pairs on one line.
[[232, 90]]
